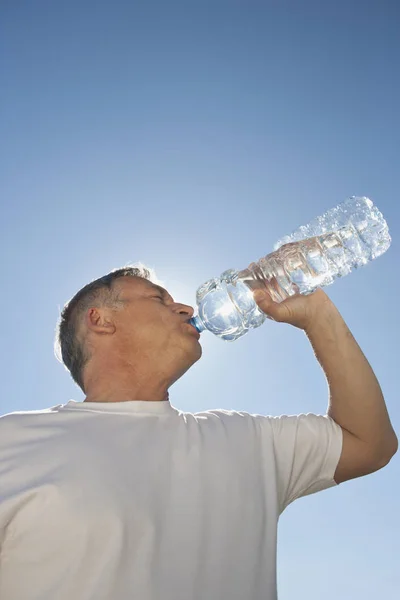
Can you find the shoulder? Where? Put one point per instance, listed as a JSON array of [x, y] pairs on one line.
[[224, 415], [17, 415], [21, 419], [233, 420], [300, 427]]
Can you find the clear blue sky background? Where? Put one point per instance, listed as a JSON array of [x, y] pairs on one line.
[[191, 136]]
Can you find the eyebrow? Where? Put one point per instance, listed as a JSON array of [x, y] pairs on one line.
[[162, 291]]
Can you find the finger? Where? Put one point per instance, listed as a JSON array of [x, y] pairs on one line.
[[265, 303], [277, 311]]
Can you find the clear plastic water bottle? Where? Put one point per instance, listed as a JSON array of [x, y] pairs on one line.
[[345, 237]]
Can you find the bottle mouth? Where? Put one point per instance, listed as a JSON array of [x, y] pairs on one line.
[[197, 324]]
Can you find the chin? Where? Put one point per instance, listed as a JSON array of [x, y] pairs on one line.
[[195, 354]]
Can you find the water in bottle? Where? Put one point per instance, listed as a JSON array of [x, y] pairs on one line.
[[345, 237]]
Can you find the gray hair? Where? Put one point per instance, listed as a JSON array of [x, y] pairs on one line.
[[70, 348]]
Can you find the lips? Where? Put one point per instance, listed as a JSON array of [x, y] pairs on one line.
[[193, 329]]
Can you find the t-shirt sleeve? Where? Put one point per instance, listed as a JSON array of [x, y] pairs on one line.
[[306, 450]]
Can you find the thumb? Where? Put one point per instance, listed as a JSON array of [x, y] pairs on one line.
[[267, 305]]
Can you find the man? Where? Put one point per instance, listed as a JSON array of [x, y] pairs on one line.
[[122, 496]]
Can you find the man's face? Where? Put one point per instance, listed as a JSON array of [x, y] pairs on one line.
[[152, 328]]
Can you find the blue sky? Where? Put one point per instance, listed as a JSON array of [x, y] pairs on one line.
[[191, 136]]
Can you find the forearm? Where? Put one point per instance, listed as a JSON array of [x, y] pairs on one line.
[[356, 401]]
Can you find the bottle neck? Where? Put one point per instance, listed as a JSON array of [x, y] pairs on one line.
[[197, 323]]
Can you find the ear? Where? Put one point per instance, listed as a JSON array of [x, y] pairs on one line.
[[99, 320]]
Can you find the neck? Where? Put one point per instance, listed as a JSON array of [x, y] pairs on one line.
[[109, 385], [115, 395]]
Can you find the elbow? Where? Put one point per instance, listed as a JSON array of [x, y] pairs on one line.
[[389, 451], [393, 446]]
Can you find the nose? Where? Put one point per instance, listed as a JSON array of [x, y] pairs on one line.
[[184, 309]]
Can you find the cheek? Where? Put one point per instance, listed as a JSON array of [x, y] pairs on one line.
[[145, 330], [154, 332]]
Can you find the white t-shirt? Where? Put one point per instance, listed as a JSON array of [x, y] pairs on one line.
[[138, 500]]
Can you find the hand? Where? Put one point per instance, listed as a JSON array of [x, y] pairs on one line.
[[297, 310]]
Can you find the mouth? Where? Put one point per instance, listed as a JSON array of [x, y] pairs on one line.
[[193, 330]]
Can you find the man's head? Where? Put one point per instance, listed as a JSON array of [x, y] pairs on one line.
[[124, 330]]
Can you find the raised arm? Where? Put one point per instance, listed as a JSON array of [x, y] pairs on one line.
[[356, 402]]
